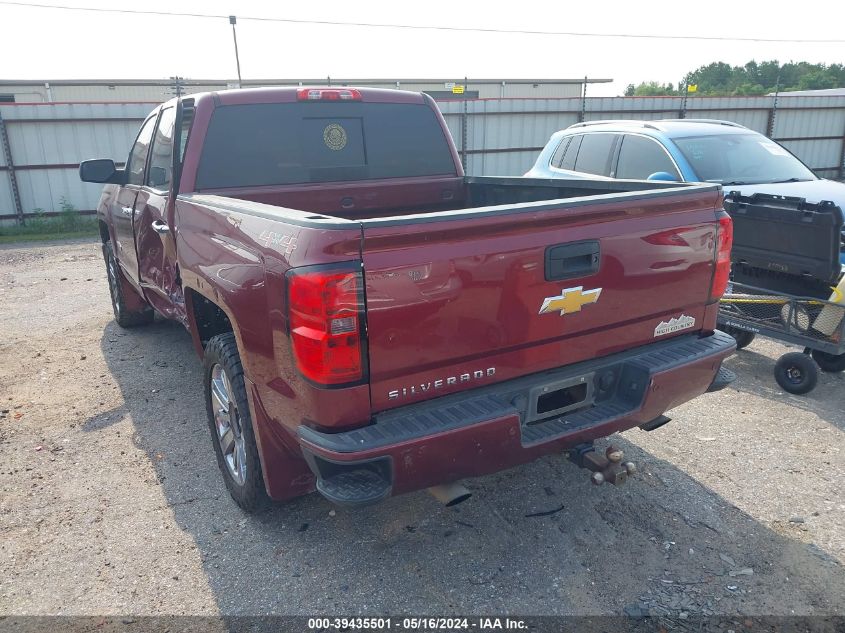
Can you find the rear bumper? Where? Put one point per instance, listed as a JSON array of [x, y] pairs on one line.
[[486, 430]]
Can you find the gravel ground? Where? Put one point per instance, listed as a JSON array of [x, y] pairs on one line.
[[111, 502]]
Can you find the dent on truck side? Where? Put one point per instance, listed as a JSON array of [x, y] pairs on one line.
[[104, 219]]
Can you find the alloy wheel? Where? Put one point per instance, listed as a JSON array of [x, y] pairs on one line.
[[227, 422]]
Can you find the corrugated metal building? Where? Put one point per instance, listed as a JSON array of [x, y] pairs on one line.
[[46, 141], [504, 136], [68, 90]]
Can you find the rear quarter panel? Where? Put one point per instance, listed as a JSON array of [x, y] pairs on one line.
[[237, 259]]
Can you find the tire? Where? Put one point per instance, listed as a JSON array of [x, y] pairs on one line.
[[123, 315], [231, 428], [796, 373], [743, 337], [830, 363]]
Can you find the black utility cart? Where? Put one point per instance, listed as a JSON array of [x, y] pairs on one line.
[[787, 284]]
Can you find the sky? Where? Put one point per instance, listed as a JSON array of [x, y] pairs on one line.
[[42, 43]]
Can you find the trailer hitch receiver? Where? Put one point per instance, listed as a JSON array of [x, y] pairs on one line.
[[608, 467]]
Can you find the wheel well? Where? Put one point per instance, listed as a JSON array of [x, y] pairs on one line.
[[209, 318]]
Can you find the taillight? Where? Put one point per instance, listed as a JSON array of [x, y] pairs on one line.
[[724, 242], [326, 309], [328, 94]]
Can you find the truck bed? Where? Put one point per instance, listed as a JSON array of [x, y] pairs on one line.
[[414, 198]]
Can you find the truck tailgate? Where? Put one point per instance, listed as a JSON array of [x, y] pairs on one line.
[[469, 298]]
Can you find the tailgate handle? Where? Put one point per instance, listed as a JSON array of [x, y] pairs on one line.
[[577, 259]]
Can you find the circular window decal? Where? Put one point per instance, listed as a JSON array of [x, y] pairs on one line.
[[334, 136]]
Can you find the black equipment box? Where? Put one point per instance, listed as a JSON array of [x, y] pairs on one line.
[[794, 242]]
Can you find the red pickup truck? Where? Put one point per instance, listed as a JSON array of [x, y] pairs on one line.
[[373, 322]]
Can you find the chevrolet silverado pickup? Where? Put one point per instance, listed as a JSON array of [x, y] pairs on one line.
[[373, 322]]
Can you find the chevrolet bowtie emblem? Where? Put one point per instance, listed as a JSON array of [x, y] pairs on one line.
[[570, 300]]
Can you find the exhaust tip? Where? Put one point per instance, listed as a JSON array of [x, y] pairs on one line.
[[450, 495]]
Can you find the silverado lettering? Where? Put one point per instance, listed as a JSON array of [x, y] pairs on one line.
[[442, 382], [323, 245]]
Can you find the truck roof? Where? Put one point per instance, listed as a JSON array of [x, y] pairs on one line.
[[289, 95]]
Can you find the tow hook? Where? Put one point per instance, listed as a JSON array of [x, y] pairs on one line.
[[605, 468]]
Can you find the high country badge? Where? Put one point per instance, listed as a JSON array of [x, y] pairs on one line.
[[675, 324]]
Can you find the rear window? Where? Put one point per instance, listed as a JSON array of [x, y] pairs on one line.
[[289, 143]]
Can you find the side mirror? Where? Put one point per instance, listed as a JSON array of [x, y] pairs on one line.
[[158, 177], [102, 170], [663, 175]]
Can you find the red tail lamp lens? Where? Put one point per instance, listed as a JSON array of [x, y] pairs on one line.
[[724, 242], [325, 312]]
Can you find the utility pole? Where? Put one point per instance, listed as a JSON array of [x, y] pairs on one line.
[[583, 114], [177, 87], [233, 20]]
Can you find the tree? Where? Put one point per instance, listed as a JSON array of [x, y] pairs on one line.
[[721, 79], [817, 80], [650, 89]]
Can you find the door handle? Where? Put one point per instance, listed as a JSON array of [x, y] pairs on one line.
[[126, 210], [160, 227], [577, 259]]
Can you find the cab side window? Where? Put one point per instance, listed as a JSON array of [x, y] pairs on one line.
[[138, 156], [161, 158], [641, 157], [594, 153]]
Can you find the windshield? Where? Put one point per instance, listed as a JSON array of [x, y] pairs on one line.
[[741, 159]]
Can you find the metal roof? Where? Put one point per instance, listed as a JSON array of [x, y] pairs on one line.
[[293, 82], [825, 92]]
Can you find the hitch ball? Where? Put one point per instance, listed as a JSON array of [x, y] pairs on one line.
[[597, 479], [630, 468]]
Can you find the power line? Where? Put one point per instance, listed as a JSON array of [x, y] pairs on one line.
[[426, 27]]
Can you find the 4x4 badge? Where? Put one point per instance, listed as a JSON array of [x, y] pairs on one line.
[[570, 300]]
